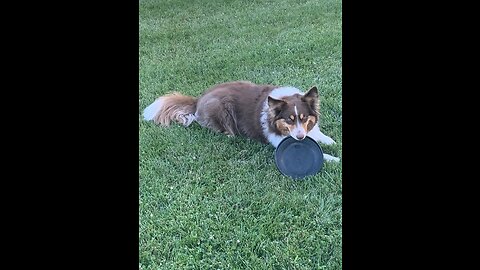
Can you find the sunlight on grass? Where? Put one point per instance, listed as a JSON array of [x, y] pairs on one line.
[[212, 202]]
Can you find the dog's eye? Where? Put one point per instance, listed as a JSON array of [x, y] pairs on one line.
[[289, 121]]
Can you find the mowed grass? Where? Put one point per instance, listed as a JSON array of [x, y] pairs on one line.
[[208, 201]]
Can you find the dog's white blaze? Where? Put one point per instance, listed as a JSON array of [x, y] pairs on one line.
[[151, 111], [298, 130]]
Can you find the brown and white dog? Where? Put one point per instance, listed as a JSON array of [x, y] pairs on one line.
[[266, 113]]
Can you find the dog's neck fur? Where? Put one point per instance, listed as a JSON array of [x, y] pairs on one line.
[[280, 92]]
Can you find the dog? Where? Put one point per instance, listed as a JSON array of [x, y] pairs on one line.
[[266, 113]]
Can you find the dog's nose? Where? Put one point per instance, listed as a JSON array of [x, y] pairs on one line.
[[300, 136]]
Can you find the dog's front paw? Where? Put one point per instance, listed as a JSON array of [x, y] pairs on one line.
[[330, 158], [327, 140]]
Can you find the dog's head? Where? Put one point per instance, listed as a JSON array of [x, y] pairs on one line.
[[294, 115]]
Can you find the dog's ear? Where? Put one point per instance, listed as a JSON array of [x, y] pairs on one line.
[[311, 98], [275, 103], [275, 106]]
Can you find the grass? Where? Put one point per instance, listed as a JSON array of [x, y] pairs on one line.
[[212, 202]]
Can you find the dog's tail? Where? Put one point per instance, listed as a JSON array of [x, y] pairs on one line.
[[172, 107]]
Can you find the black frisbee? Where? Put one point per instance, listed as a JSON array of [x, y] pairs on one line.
[[298, 159]]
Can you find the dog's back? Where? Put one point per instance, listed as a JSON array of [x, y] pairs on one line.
[[234, 108]]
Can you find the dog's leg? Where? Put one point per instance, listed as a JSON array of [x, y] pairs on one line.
[[186, 119], [325, 139], [229, 135], [329, 158], [318, 136]]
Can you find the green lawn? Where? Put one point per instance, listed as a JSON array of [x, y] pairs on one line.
[[208, 201]]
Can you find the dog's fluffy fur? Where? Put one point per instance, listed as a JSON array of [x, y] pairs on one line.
[[266, 113]]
